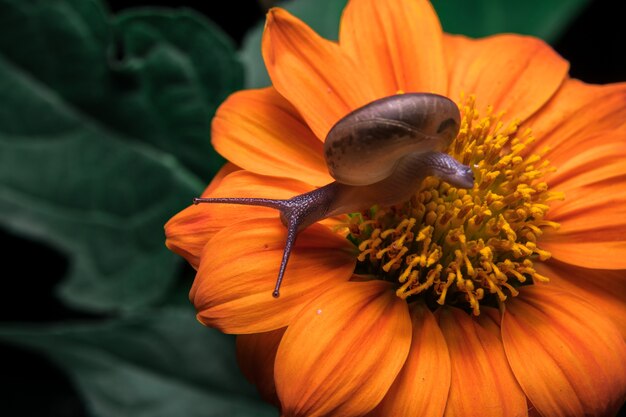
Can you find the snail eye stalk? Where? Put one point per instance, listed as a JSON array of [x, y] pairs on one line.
[[281, 205]]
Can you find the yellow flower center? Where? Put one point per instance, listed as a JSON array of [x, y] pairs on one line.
[[465, 247]]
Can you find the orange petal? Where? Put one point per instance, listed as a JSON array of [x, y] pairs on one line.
[[591, 251], [238, 269], [593, 214], [343, 351], [603, 288], [513, 73], [261, 132], [568, 356], [188, 231], [577, 111], [182, 240], [256, 354], [421, 388], [586, 160], [320, 80], [224, 171], [482, 383], [399, 42]]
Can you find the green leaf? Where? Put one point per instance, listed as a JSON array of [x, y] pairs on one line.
[[104, 135], [185, 68], [475, 18], [159, 364], [478, 18]]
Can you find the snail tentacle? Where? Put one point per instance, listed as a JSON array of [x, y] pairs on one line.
[[296, 214], [263, 202]]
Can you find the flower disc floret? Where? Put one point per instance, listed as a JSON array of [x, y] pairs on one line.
[[465, 247]]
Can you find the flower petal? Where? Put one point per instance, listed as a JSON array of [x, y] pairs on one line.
[[343, 351], [261, 132], [224, 171], [256, 354], [189, 230], [593, 214], [567, 356], [320, 80], [421, 388], [181, 239], [482, 383], [576, 111], [589, 159], [400, 42], [238, 269], [603, 288], [513, 73]]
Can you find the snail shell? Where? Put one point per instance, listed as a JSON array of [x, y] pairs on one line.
[[378, 154], [365, 146]]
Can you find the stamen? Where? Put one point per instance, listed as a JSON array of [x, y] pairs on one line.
[[466, 247]]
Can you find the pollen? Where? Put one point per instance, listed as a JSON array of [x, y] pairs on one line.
[[465, 247]]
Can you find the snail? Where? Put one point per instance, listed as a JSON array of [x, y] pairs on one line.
[[378, 154]]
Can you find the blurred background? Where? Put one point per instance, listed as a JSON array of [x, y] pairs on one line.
[[105, 110]]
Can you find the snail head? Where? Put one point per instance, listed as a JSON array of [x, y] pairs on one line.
[[449, 169]]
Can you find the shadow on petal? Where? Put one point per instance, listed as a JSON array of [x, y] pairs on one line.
[[568, 356], [256, 354], [603, 288]]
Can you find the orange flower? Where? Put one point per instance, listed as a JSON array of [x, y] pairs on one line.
[[508, 299]]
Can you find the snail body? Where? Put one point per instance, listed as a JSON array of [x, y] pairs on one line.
[[378, 154]]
